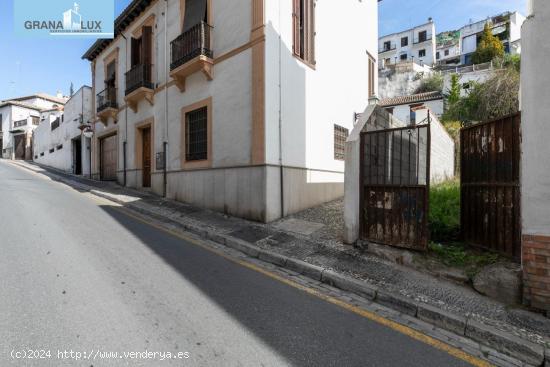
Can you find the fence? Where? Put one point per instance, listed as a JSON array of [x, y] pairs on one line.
[[490, 188]]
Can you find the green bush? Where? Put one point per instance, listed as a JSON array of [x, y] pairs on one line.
[[431, 83], [444, 216]]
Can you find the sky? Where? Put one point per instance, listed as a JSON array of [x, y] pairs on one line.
[[29, 66]]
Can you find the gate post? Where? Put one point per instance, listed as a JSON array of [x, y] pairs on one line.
[[535, 165]]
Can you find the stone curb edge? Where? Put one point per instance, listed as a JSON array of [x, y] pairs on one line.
[[505, 343]]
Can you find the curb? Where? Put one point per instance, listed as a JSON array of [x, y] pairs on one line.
[[505, 343]]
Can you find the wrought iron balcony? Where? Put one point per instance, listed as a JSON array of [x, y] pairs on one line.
[[107, 105], [422, 40], [191, 52], [106, 99], [191, 44], [139, 77], [385, 48]]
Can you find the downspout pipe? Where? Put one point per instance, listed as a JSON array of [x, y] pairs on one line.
[[165, 143], [125, 143], [281, 168]]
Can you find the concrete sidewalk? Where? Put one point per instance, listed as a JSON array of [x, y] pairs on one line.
[[307, 244]]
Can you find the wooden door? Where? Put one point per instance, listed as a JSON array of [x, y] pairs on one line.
[[19, 142], [108, 158], [146, 151]]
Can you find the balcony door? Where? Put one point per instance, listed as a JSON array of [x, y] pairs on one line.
[[196, 11]]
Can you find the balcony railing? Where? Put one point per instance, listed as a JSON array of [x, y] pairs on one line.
[[194, 42], [422, 40], [106, 99], [139, 76], [385, 48]]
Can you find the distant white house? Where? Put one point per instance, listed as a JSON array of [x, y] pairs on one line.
[[18, 118], [448, 48], [506, 26], [415, 44], [405, 108], [58, 141]]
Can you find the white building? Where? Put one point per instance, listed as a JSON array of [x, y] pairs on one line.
[[506, 26], [246, 101], [448, 48], [58, 140], [405, 108], [416, 44], [18, 118]]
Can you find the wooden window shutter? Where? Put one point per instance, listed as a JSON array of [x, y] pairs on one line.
[[147, 45], [311, 32], [297, 15]]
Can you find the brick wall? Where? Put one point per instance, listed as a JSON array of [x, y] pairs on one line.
[[536, 271]]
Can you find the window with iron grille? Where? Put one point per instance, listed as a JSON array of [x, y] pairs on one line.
[[422, 53], [340, 137], [35, 120], [196, 135]]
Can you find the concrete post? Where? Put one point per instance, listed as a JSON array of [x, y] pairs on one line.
[[535, 165]]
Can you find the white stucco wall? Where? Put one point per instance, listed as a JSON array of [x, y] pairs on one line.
[[44, 139], [535, 94], [313, 100], [403, 112]]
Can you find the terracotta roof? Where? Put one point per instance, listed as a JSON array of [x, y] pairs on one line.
[[43, 96], [413, 98], [127, 16]]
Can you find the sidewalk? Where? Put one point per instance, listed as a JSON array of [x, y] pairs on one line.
[[308, 243]]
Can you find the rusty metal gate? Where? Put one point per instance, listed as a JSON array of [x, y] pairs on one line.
[[490, 189], [395, 179]]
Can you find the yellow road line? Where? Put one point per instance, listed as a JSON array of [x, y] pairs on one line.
[[414, 334]]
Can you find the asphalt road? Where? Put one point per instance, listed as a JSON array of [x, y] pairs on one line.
[[78, 275]]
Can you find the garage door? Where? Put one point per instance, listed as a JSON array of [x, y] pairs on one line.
[[108, 158]]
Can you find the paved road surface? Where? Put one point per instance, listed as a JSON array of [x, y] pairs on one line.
[[78, 275]]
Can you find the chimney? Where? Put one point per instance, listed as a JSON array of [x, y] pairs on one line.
[[59, 94]]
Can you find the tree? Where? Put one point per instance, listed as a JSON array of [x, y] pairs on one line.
[[454, 92], [489, 47], [71, 91]]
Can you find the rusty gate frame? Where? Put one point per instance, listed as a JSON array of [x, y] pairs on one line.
[[421, 241], [487, 191]]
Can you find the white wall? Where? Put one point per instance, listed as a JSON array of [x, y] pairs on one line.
[[535, 94], [313, 100], [402, 112], [45, 139], [10, 114]]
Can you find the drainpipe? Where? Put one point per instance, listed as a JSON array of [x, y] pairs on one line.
[[281, 173], [165, 143], [124, 144]]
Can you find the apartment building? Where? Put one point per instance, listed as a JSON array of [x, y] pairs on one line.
[[237, 106], [58, 141], [506, 26], [448, 48], [18, 118], [415, 44]]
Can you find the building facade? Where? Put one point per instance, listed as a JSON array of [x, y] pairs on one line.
[[506, 26], [232, 106], [58, 139], [417, 44], [18, 119], [404, 107]]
